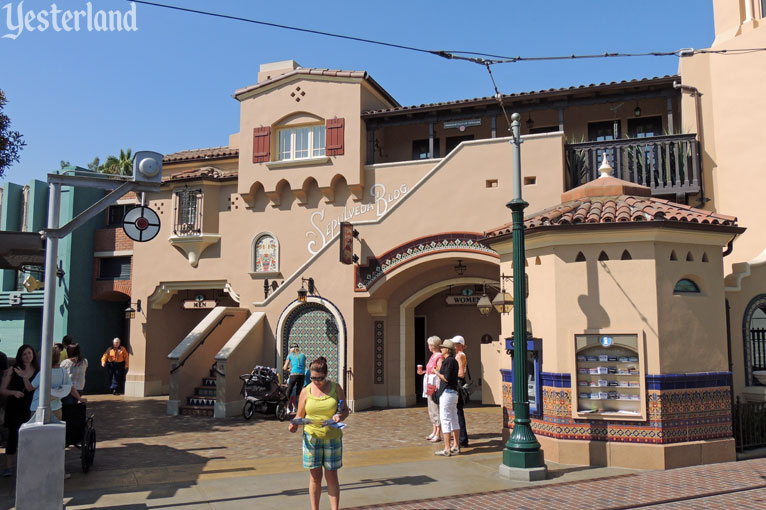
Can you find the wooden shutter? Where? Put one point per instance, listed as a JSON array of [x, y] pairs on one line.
[[261, 144], [335, 137]]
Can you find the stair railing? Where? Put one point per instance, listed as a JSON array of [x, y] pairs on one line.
[[201, 342]]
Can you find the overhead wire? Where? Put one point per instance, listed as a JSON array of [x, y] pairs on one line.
[[475, 57]]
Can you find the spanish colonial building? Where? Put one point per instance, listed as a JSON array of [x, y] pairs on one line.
[[647, 287]]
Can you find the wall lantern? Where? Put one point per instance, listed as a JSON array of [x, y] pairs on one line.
[[502, 302], [460, 267], [303, 292], [484, 305], [637, 111], [130, 312], [530, 122]]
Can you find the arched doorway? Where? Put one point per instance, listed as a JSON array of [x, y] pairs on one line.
[[754, 333], [432, 297], [318, 329]]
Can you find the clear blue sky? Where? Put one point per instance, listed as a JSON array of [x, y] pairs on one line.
[[168, 86]]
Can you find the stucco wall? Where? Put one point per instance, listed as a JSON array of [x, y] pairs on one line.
[[732, 108]]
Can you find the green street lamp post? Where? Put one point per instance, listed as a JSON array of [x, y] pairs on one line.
[[522, 458]]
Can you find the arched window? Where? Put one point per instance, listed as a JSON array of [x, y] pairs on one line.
[[265, 254], [686, 286], [754, 336]]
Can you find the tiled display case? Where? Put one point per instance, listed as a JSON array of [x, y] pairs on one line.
[[609, 377]]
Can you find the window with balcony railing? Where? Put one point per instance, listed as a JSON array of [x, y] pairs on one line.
[[188, 212]]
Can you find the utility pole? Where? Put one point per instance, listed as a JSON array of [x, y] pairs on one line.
[[40, 465]]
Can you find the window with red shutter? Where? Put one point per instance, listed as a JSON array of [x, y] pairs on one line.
[[335, 137], [261, 144]]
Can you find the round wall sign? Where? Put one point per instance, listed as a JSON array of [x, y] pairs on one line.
[[606, 341], [141, 224]]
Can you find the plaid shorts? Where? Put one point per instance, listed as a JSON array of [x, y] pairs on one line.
[[327, 453]]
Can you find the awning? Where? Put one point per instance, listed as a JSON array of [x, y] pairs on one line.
[[21, 249]]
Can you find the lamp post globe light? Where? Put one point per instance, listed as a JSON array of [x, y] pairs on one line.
[[522, 458]]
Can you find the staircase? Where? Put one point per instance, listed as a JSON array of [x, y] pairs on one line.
[[202, 403]]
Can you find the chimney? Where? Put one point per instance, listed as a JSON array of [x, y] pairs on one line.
[[275, 69]]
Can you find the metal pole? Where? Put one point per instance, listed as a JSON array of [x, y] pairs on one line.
[[522, 449], [43, 413]]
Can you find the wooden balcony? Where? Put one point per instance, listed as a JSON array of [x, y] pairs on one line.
[[669, 165]]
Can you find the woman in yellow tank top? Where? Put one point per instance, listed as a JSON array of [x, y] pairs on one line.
[[322, 445]]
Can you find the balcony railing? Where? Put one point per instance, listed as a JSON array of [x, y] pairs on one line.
[[669, 165]]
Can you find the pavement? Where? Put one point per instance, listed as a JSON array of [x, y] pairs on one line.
[[146, 460]]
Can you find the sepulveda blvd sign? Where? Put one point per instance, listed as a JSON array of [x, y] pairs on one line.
[[141, 224]]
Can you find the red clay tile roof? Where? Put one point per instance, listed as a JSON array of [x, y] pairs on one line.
[[207, 172], [201, 154], [311, 71], [534, 94], [617, 209]]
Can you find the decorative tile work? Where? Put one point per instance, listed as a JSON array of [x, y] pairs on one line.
[[266, 254], [693, 410], [379, 340], [376, 268], [314, 328]]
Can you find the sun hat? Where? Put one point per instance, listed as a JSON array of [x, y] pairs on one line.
[[447, 344], [458, 340]]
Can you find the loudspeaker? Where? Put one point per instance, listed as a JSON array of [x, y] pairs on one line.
[[147, 166]]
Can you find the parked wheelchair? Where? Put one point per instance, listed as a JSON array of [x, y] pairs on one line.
[[80, 432]]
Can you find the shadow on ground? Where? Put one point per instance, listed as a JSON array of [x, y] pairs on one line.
[[169, 491]]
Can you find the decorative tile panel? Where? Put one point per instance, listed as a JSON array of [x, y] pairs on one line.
[[266, 254], [692, 411], [379, 360], [377, 267], [314, 329]]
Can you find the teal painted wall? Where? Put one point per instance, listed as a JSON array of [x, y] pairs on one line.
[[92, 323], [20, 326], [9, 220], [37, 216]]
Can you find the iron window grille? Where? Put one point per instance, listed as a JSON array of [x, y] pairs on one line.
[[188, 212]]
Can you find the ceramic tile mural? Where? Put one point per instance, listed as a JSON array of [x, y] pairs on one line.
[[314, 328], [266, 255], [379, 341], [675, 415], [377, 268]]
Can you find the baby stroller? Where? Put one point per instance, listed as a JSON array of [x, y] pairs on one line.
[[263, 393], [80, 432]]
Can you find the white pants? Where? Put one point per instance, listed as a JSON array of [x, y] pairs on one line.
[[448, 411]]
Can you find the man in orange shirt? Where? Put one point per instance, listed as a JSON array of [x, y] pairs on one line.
[[115, 359]]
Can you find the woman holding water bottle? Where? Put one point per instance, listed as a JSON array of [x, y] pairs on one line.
[[322, 401]]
